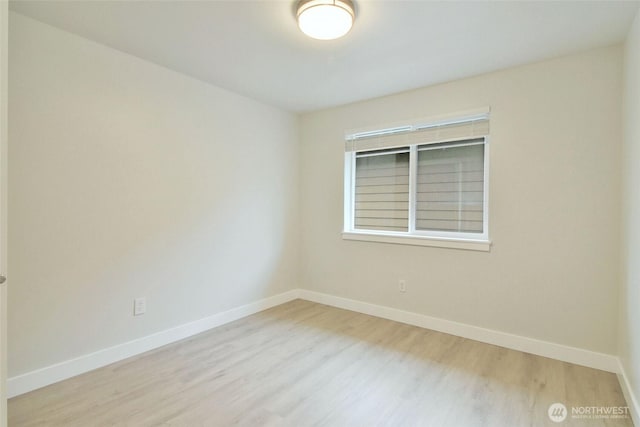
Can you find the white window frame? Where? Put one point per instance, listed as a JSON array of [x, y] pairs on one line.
[[456, 240]]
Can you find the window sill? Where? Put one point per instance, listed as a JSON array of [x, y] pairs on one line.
[[465, 244]]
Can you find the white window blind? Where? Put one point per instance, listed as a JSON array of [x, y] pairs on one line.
[[427, 133]]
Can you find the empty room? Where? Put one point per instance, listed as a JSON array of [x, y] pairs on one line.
[[319, 213]]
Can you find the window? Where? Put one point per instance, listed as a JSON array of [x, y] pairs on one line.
[[419, 184]]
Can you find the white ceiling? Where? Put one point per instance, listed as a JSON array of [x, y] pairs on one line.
[[255, 48]]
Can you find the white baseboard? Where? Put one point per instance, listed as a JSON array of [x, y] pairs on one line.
[[629, 395], [578, 356], [70, 368]]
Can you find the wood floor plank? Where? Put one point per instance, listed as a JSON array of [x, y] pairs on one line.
[[306, 364]]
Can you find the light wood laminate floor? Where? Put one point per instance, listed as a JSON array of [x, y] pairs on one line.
[[306, 364]]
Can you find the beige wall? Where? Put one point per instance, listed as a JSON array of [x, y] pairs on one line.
[[131, 180], [4, 66], [553, 270], [629, 337]]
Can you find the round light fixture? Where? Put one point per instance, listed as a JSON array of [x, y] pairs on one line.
[[325, 19]]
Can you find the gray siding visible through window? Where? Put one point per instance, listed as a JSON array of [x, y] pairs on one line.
[[382, 190], [450, 187]]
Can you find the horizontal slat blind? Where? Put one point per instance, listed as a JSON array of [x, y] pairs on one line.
[[382, 191], [417, 134], [450, 187]]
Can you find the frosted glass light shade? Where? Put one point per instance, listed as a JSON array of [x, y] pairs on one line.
[[325, 19]]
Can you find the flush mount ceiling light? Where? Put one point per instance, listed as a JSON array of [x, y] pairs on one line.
[[325, 19]]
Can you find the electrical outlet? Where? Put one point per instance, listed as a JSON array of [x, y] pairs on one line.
[[402, 285], [139, 306]]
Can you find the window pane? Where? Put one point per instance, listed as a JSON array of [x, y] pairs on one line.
[[450, 190], [382, 192]]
